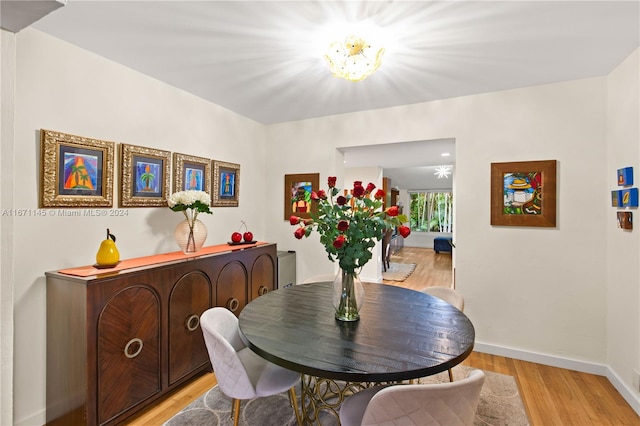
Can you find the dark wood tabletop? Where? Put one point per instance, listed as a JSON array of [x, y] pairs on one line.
[[401, 334]]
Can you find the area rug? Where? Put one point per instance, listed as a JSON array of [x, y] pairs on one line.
[[398, 271], [500, 405]]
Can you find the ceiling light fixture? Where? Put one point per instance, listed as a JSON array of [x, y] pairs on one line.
[[442, 172], [353, 58]]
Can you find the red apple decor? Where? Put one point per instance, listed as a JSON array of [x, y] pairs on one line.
[[237, 237]]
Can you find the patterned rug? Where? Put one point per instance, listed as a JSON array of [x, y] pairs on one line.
[[500, 405], [398, 271]]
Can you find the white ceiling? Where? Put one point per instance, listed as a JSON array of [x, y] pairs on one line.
[[263, 59]]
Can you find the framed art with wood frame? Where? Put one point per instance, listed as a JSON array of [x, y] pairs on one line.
[[226, 184], [523, 193], [297, 194], [76, 171], [144, 176], [191, 173]]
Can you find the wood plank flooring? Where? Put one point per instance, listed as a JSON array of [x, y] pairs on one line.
[[552, 396]]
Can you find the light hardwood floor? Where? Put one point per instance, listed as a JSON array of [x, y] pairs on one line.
[[552, 396]]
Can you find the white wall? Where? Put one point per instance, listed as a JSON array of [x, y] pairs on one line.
[[7, 84], [521, 284], [63, 88], [623, 247]]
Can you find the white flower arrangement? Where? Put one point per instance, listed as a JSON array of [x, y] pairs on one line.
[[196, 200], [192, 202]]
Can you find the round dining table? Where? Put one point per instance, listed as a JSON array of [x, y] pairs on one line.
[[401, 335]]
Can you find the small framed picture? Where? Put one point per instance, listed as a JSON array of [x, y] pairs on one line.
[[523, 193], [625, 220], [297, 194], [226, 184], [625, 176], [144, 176], [76, 171], [191, 173]]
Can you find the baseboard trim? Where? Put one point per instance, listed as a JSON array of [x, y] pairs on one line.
[[633, 399]]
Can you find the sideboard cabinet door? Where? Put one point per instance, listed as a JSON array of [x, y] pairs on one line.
[[189, 298], [128, 351], [263, 274], [231, 286]]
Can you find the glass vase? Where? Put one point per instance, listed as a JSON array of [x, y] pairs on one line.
[[190, 235], [348, 296]]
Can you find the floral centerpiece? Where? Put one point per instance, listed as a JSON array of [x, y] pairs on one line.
[[350, 225], [191, 233]]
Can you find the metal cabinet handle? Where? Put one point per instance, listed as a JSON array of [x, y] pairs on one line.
[[233, 304], [192, 322], [262, 290], [132, 342]]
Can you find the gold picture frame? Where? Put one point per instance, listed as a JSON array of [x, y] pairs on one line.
[[297, 194], [523, 193], [76, 171], [144, 176], [191, 173], [226, 184]]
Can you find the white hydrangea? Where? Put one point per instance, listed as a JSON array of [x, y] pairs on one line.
[[188, 198]]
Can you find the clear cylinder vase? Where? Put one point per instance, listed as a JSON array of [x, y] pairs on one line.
[[348, 296], [190, 235]]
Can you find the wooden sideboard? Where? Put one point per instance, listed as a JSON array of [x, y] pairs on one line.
[[118, 341]]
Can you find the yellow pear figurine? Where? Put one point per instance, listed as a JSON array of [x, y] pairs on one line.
[[108, 254]]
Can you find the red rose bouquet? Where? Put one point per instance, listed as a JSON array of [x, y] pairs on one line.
[[350, 225]]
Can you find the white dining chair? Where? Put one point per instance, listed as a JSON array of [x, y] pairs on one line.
[[452, 297], [439, 404], [448, 294], [240, 372]]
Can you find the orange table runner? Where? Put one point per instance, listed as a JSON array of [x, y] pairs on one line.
[[86, 271]]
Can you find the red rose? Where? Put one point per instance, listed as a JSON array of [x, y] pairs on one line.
[[404, 231], [331, 181], [314, 195], [343, 225], [339, 241], [358, 191], [294, 220], [307, 221], [299, 233], [393, 211], [379, 194], [341, 201], [370, 188], [321, 194], [357, 183]]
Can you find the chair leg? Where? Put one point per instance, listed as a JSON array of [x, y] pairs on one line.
[[235, 411], [294, 403], [450, 375]]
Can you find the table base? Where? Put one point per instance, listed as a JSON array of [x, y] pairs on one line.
[[321, 398]]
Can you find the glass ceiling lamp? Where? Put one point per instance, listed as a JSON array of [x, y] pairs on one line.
[[353, 58], [442, 172]]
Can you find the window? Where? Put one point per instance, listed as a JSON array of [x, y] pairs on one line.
[[431, 211]]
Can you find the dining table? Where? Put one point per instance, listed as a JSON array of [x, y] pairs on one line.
[[401, 335]]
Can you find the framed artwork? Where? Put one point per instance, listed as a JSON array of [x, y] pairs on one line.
[[76, 171], [191, 173], [144, 176], [625, 220], [226, 184], [625, 176], [297, 194], [523, 193]]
